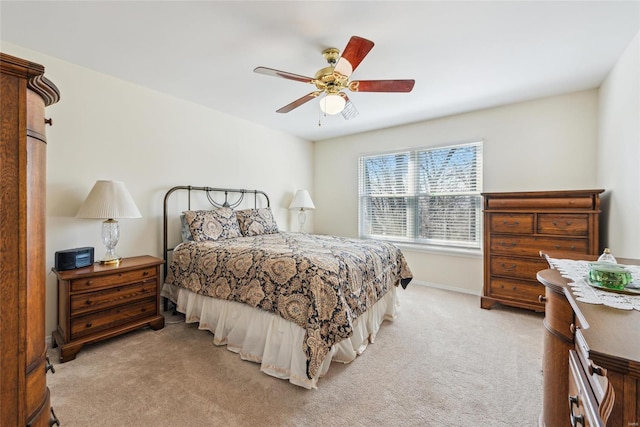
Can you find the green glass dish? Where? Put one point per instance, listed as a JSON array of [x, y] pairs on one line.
[[609, 275]]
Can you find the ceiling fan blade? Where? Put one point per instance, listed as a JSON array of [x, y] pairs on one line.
[[381, 85], [298, 102], [283, 74], [350, 110], [353, 54]]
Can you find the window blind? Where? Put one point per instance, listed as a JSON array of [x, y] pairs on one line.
[[428, 196]]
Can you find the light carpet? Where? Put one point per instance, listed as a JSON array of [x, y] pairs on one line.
[[442, 362]]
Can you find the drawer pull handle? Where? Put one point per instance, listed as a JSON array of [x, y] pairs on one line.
[[575, 419], [542, 299], [511, 224], [597, 370], [89, 282], [567, 223], [146, 273], [54, 420], [508, 268], [49, 367], [508, 245], [89, 324], [88, 302], [572, 328], [48, 121]]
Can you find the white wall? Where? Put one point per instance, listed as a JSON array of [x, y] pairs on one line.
[[546, 144], [619, 152], [105, 128]]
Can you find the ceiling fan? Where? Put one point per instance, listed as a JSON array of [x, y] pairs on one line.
[[332, 80]]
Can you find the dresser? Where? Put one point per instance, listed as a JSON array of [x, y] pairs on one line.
[[25, 399], [103, 301], [518, 225], [591, 360]]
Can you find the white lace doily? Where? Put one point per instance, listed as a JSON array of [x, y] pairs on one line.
[[578, 272]]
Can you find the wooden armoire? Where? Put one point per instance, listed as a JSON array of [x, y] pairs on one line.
[[24, 94]]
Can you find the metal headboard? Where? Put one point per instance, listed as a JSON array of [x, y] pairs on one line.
[[237, 197]]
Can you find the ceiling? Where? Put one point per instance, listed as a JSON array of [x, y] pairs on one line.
[[463, 56]]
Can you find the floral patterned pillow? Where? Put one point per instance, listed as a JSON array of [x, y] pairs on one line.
[[253, 222], [216, 224]]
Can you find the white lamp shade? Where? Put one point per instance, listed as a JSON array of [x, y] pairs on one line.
[[302, 200], [109, 200], [332, 104]]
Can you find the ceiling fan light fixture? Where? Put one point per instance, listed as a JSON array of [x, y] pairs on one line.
[[332, 104]]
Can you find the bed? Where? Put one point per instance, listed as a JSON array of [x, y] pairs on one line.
[[292, 302]]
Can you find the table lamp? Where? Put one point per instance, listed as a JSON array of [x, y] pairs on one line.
[[109, 200], [302, 200]]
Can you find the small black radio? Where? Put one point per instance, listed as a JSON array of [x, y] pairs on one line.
[[74, 258]]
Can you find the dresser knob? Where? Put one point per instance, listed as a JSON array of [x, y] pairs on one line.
[[542, 299], [88, 302], [89, 282], [146, 273], [89, 324], [572, 328]]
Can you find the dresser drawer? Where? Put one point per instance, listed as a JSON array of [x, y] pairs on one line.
[[515, 290], [91, 283], [521, 268], [512, 223], [596, 376], [566, 225], [100, 300], [583, 408], [531, 246], [578, 202], [106, 319]]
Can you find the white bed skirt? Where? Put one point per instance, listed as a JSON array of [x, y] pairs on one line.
[[268, 339]]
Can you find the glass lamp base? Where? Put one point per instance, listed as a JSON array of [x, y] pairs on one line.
[[110, 237], [302, 218]]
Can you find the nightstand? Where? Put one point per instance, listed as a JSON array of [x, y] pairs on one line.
[[101, 301]]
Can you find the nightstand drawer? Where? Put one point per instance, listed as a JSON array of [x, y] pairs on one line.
[[95, 322], [512, 223], [566, 225], [90, 283], [100, 300]]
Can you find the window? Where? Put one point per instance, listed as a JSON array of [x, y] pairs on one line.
[[429, 196]]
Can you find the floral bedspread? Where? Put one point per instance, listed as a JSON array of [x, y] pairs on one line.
[[321, 283]]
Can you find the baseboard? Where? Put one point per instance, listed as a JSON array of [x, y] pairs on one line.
[[447, 287]]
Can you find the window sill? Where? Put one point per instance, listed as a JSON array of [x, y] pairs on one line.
[[440, 250]]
